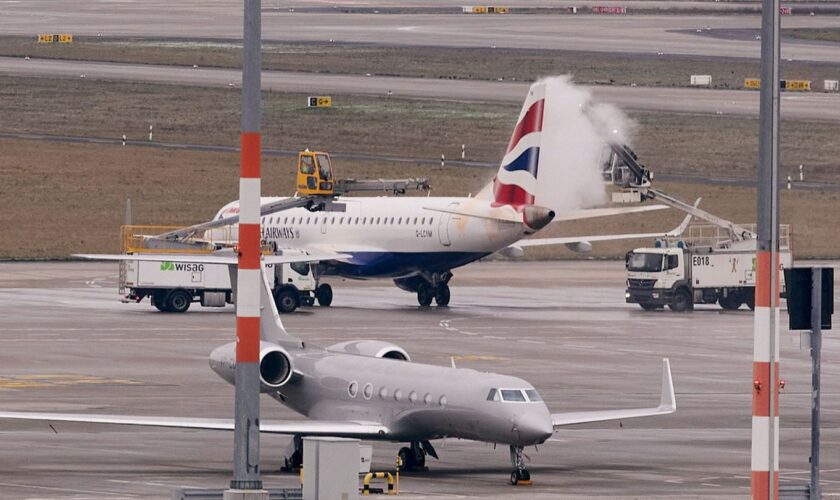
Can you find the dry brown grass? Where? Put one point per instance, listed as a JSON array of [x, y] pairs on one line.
[[669, 143], [430, 62], [63, 198], [60, 198]]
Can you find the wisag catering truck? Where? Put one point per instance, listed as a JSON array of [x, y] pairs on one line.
[[174, 286], [706, 267]]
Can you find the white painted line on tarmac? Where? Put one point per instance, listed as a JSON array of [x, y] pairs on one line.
[[112, 494]]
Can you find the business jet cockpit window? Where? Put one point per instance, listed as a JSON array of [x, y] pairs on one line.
[[533, 395], [493, 395], [513, 395]]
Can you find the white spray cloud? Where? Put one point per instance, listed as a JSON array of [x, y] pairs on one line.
[[574, 133]]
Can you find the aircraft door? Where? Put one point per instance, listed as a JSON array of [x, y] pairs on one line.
[[443, 226]]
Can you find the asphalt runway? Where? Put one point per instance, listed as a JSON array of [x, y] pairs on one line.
[[221, 19], [725, 102], [69, 345]]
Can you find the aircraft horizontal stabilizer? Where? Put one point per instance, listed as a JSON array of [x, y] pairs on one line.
[[302, 427], [588, 213], [667, 404], [571, 240], [216, 259]]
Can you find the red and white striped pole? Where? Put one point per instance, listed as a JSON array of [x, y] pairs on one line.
[[764, 482], [765, 407], [246, 449]]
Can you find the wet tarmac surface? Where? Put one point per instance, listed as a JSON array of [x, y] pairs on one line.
[[68, 344]]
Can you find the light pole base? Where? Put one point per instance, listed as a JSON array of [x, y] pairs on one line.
[[233, 494]]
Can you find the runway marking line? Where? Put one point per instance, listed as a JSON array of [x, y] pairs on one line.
[[35, 381]]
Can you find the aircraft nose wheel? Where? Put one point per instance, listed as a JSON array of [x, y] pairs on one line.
[[520, 475]]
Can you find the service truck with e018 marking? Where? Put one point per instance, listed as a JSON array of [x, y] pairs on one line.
[[682, 272], [174, 286]]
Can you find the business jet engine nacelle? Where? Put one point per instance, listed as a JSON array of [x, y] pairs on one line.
[[275, 365], [373, 348]]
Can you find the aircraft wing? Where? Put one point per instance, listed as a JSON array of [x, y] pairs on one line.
[[667, 404], [569, 240], [217, 259], [302, 427], [588, 213]]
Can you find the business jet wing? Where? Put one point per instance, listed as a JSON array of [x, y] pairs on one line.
[[301, 427], [319, 256], [667, 404]]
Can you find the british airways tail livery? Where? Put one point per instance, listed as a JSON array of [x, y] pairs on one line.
[[417, 241]]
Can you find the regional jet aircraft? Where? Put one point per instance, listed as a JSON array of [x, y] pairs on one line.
[[371, 390], [417, 242]]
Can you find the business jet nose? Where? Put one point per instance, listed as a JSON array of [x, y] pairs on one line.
[[536, 217], [534, 427]]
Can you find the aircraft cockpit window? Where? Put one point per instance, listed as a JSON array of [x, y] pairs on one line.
[[513, 395], [533, 395], [493, 395]]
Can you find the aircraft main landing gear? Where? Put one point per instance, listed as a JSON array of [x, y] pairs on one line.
[[520, 475], [414, 457], [293, 459]]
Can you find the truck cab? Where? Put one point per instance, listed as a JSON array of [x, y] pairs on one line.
[[655, 276]]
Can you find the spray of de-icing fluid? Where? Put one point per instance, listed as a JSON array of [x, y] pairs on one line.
[[575, 131]]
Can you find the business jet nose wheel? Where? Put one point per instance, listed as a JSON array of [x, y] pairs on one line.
[[520, 475]]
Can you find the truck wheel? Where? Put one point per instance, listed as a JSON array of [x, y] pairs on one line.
[[178, 301], [681, 301], [287, 300], [731, 302], [324, 294], [750, 300], [160, 303]]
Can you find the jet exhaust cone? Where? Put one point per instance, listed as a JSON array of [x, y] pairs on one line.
[[537, 217]]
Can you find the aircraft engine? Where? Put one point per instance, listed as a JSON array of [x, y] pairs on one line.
[[275, 367], [373, 348]]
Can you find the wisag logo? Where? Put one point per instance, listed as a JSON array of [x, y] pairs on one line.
[[167, 266]]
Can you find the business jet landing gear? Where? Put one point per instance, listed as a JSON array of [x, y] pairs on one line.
[[293, 455], [520, 475], [414, 457]]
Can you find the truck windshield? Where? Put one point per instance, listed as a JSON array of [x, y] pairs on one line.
[[301, 268], [646, 262]]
